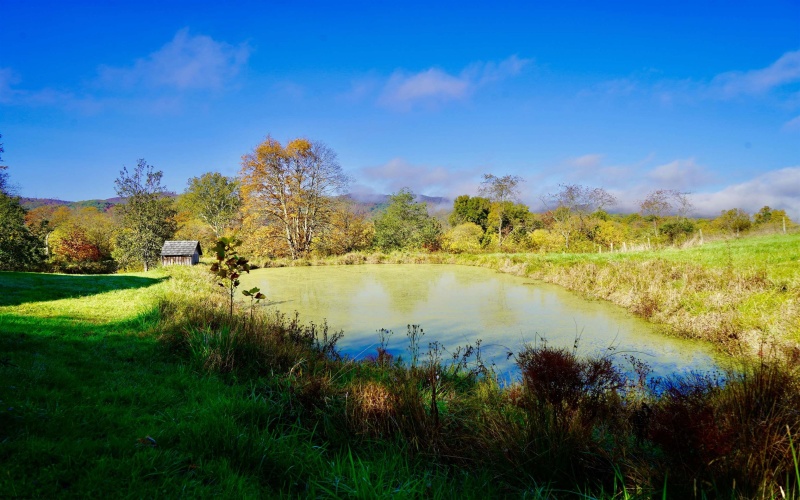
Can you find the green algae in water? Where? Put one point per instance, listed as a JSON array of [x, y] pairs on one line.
[[457, 305]]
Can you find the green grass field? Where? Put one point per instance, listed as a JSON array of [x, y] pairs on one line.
[[91, 405], [99, 395]]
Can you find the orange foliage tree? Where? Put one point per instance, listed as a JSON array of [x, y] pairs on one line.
[[290, 189]]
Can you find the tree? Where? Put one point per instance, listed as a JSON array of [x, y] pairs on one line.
[[500, 190], [214, 199], [349, 229], [464, 237], [473, 209], [572, 206], [406, 224], [511, 219], [3, 173], [19, 249], [734, 220], [763, 216], [291, 188], [75, 246], [660, 202], [655, 205], [677, 229], [148, 219]]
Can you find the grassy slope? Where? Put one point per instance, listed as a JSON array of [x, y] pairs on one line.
[[84, 385], [725, 292]]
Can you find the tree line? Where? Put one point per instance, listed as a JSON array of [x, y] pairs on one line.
[[289, 201]]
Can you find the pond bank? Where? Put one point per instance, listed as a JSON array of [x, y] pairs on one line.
[[460, 305], [743, 296]]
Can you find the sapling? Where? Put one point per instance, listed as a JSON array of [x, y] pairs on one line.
[[229, 266], [255, 297]]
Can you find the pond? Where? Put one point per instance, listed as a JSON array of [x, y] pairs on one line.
[[457, 305]]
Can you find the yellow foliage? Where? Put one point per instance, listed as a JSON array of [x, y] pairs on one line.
[[464, 237]]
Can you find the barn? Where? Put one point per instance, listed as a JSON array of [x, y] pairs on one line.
[[180, 253]]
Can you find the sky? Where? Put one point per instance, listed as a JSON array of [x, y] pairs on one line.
[[701, 97]]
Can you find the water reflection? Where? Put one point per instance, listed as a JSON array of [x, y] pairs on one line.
[[457, 305]]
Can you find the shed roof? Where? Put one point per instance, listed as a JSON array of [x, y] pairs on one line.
[[180, 248]]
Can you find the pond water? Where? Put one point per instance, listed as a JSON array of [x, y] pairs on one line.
[[457, 305]]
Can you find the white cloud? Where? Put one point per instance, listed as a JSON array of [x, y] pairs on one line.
[[586, 161], [784, 71], [793, 124], [434, 86], [421, 179], [683, 175], [7, 78], [186, 62], [777, 188]]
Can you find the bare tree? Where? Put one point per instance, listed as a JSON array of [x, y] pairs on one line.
[[4, 187], [683, 204], [573, 203], [291, 187], [500, 190], [661, 202]]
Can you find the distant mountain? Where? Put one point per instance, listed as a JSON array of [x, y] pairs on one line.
[[375, 202], [371, 202], [102, 205]]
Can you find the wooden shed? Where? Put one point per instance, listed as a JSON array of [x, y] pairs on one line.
[[180, 253]]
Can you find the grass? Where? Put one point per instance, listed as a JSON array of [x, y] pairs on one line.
[[141, 385], [93, 404]]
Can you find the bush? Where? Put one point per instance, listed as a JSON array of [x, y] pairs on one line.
[[84, 267], [464, 237]]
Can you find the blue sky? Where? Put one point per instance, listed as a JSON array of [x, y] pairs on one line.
[[631, 96]]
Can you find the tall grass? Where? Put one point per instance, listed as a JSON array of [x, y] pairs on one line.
[[570, 424]]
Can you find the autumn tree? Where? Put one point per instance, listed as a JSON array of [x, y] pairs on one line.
[[573, 204], [98, 227], [515, 219], [147, 218], [75, 246], [406, 224], [214, 199], [464, 237], [291, 188], [501, 191], [349, 229], [734, 220]]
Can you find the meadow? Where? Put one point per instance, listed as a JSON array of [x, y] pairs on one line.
[[143, 385]]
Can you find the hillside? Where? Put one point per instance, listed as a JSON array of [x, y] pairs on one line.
[[103, 205], [371, 202]]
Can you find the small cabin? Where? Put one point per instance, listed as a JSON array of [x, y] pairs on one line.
[[180, 253]]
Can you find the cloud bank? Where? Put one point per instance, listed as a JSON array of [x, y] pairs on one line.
[[421, 179]]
